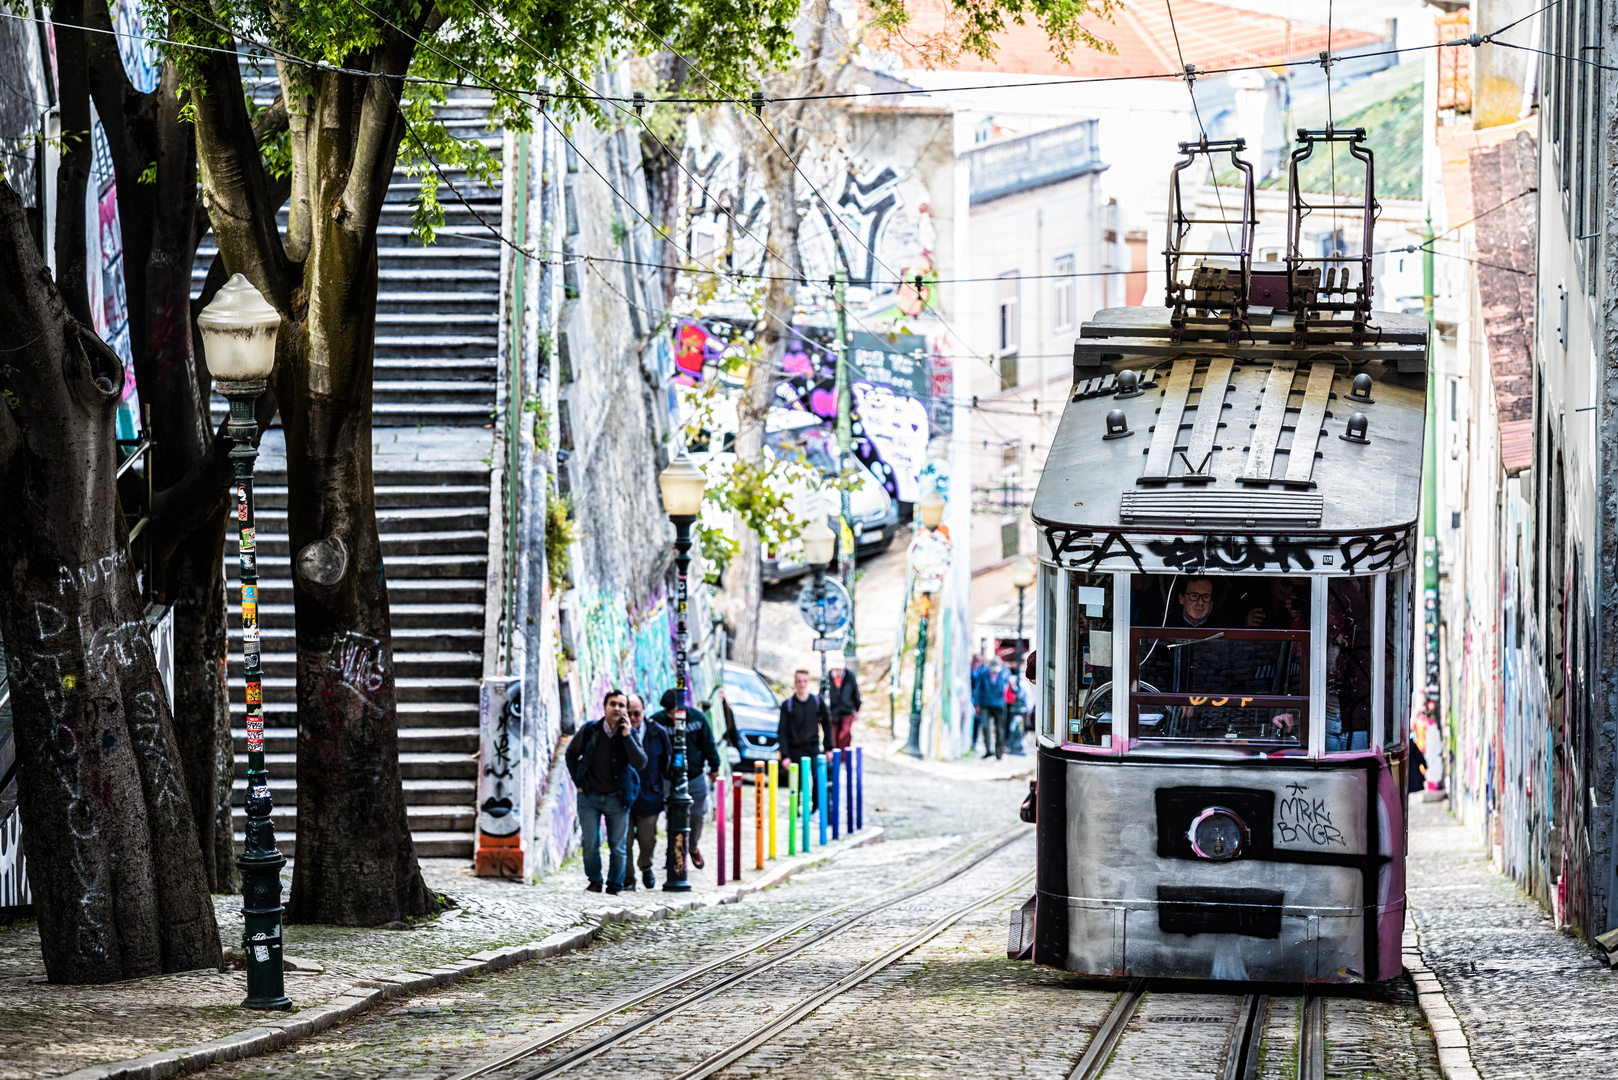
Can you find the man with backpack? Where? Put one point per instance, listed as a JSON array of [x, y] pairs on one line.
[[802, 723], [700, 750], [603, 759]]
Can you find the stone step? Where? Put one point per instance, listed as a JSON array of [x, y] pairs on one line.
[[406, 665], [469, 303], [421, 818], [431, 791], [400, 590], [394, 520], [411, 766], [428, 617], [480, 369], [405, 688], [394, 544], [411, 714], [390, 496], [423, 740], [427, 844], [467, 567], [276, 475]]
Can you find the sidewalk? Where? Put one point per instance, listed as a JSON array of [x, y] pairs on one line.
[[1531, 1001], [181, 1022]]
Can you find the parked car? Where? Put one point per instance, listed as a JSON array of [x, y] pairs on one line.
[[757, 713]]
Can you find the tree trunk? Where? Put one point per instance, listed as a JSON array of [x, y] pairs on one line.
[[742, 577], [190, 472], [356, 863], [112, 848]]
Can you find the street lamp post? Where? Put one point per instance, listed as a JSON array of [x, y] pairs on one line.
[[238, 341], [681, 483], [930, 508], [1022, 576], [819, 548]]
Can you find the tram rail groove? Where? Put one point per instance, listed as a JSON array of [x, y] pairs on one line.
[[974, 852], [752, 1041], [1312, 1039], [1241, 1063], [1099, 1052]]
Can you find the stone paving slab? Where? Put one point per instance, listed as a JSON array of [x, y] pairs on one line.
[[150, 1029], [1504, 992]]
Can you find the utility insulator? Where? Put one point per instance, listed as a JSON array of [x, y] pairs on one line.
[[758, 103], [639, 101]]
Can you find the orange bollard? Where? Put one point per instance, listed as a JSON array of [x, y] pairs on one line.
[[758, 814]]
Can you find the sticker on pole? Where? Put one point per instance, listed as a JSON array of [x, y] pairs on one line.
[[828, 613]]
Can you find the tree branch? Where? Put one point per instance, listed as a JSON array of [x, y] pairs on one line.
[[235, 188]]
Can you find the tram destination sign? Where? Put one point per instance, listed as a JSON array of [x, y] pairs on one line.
[[1230, 553]]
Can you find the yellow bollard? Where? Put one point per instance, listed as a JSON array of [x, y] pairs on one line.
[[773, 810]]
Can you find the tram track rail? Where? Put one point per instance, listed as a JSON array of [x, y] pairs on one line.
[[1246, 1037], [940, 873]]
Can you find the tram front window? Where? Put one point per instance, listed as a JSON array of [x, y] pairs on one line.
[[1220, 659]]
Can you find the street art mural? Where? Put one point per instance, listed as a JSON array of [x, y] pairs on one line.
[[505, 780], [104, 262]]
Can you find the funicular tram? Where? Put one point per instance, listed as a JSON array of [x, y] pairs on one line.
[[1226, 609]]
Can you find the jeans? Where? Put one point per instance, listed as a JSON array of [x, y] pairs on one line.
[[592, 808], [1019, 726], [998, 723]]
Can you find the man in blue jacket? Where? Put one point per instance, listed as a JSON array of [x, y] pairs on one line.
[[602, 759], [996, 680], [655, 785]]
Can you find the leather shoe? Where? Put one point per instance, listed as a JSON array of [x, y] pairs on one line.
[[649, 879], [614, 890], [696, 858], [594, 886]]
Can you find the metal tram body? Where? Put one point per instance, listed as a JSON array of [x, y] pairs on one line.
[[1227, 602]]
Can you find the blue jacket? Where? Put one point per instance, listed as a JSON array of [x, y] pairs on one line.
[[992, 686], [655, 774]]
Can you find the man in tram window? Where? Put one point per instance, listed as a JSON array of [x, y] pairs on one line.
[[1193, 666]]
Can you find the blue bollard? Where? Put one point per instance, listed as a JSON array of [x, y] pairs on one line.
[[832, 776], [848, 787], [859, 801], [806, 770], [820, 792]]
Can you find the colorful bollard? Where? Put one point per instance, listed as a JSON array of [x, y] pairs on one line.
[[792, 809], [806, 771], [758, 815], [832, 773], [736, 828], [820, 793], [774, 811], [848, 787], [719, 821], [859, 778]]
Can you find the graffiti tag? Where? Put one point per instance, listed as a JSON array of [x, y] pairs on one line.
[[1302, 819]]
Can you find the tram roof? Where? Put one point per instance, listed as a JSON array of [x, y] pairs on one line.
[[1233, 471]]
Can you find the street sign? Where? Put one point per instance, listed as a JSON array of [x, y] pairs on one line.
[[929, 556], [828, 644], [828, 613]]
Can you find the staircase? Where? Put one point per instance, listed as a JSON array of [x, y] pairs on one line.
[[434, 396]]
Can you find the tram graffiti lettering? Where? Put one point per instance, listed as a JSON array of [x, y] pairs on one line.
[[1232, 553], [1373, 553], [1115, 544], [1299, 818]]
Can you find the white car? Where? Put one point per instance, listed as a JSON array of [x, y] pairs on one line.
[[875, 516]]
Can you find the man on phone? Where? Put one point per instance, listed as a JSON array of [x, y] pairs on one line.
[[603, 760]]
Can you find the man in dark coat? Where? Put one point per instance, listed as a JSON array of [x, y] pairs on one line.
[[699, 751], [655, 786], [842, 704], [602, 758]]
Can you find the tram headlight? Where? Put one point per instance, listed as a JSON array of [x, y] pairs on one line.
[[1218, 834]]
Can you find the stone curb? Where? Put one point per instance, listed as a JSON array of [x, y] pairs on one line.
[[280, 1031], [1454, 1052]]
